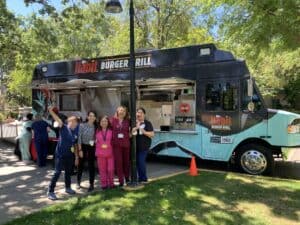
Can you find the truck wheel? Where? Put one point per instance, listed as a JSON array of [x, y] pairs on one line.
[[255, 159]]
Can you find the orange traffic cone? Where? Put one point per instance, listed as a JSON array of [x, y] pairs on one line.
[[193, 167]]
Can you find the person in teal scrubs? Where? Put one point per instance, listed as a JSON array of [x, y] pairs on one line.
[[25, 138]]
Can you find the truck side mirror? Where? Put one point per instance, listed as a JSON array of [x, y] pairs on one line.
[[250, 87]]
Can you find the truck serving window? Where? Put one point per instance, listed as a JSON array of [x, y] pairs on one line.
[[169, 106], [221, 96]]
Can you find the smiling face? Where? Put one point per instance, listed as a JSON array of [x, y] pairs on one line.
[[121, 112], [104, 122], [91, 117], [140, 115]]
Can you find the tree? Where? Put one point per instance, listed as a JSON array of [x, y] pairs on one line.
[[164, 23], [265, 33], [73, 33], [9, 37]]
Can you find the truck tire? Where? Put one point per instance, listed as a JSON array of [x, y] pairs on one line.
[[255, 159]]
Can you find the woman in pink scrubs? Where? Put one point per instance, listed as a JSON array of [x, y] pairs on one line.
[[104, 154]]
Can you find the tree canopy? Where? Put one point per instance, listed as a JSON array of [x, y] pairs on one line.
[[265, 33]]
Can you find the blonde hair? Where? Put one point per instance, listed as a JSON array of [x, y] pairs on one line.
[[125, 109]]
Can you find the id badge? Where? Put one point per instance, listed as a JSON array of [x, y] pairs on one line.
[[120, 136], [91, 143], [104, 146], [72, 149]]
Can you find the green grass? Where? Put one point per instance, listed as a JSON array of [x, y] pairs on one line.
[[210, 198]]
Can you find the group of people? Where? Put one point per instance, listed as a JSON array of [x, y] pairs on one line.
[[106, 140]]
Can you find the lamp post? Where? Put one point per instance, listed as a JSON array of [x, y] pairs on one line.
[[114, 6]]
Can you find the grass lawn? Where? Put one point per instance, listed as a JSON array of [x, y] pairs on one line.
[[210, 198]]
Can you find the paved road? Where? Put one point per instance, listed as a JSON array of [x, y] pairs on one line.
[[23, 187]]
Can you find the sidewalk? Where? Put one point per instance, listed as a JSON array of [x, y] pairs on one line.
[[23, 187], [294, 156]]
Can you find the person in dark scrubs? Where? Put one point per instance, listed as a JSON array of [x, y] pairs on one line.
[[40, 130], [144, 133], [121, 144], [64, 158]]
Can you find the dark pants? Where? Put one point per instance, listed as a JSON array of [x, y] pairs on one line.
[[61, 163], [141, 165], [89, 156], [122, 163], [41, 147]]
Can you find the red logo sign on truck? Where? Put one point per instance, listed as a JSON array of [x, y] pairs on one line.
[[184, 107], [86, 67]]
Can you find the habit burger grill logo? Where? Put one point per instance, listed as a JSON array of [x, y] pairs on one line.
[[86, 67], [218, 122], [110, 64]]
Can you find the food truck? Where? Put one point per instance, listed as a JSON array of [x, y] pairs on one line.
[[201, 100]]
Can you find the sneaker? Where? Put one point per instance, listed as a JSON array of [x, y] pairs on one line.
[[51, 196], [143, 181], [78, 186], [70, 191], [91, 188]]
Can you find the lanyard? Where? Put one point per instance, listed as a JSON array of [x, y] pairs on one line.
[[120, 124], [104, 135]]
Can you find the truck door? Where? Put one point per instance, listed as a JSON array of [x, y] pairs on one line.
[[253, 110], [219, 117]]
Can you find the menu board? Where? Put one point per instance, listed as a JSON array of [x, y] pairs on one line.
[[69, 102]]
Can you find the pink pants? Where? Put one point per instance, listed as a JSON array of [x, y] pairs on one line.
[[106, 171]]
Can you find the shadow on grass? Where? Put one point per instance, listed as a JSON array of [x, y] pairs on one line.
[[211, 198]]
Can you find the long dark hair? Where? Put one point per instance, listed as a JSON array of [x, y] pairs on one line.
[[87, 118], [99, 128]]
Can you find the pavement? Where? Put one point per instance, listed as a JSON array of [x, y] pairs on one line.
[[23, 186], [289, 168], [294, 155]]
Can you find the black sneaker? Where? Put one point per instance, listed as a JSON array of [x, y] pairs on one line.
[[51, 196], [91, 188], [70, 191]]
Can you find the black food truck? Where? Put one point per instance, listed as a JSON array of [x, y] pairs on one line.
[[200, 99]]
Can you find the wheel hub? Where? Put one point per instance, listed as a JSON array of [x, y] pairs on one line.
[[254, 162]]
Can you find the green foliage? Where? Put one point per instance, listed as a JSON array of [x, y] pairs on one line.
[[265, 33], [9, 37], [164, 23]]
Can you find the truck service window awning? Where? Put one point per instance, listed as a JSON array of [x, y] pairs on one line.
[[86, 83]]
